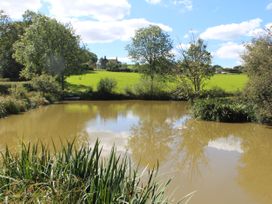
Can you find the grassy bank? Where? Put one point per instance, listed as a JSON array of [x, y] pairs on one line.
[[74, 175], [227, 82], [17, 97]]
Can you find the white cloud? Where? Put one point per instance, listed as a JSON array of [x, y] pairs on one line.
[[269, 6], [95, 31], [153, 1], [15, 8], [101, 10], [268, 26], [231, 31], [95, 21], [230, 50], [187, 4]]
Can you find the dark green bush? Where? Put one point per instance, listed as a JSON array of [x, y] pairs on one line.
[[48, 86], [223, 110], [12, 105], [106, 86], [4, 88]]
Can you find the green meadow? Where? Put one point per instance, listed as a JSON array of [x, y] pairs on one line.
[[228, 82]]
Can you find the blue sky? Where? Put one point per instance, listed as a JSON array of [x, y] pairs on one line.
[[106, 26]]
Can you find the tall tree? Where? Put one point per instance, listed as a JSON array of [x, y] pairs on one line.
[[196, 64], [9, 33], [48, 46], [151, 47], [258, 65]]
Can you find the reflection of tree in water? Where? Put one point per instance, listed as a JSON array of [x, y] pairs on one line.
[[58, 123], [151, 138]]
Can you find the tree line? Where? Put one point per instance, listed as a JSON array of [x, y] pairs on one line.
[[38, 44], [152, 47]]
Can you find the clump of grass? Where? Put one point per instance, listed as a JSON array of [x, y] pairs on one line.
[[74, 175]]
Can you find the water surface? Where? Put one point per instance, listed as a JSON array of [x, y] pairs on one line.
[[224, 163]]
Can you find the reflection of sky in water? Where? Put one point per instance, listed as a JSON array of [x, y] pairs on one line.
[[229, 144], [182, 121], [122, 123]]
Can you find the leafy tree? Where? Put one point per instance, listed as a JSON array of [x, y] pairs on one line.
[[239, 68], [88, 60], [151, 47], [258, 65], [50, 47], [9, 34], [196, 64]]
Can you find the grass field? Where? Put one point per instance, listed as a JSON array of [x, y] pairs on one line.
[[228, 82]]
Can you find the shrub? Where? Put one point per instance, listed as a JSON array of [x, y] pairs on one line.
[[106, 86], [18, 91], [48, 86], [223, 110], [4, 88], [75, 175], [37, 99], [12, 105]]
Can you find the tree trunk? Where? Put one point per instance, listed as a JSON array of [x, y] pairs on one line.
[[62, 81]]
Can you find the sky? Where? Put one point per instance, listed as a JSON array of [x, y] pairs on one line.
[[107, 26]]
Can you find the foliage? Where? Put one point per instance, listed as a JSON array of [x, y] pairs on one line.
[[152, 47], [74, 175], [18, 91], [47, 85], [258, 64], [9, 33], [88, 60], [222, 110], [196, 65], [49, 47], [106, 85]]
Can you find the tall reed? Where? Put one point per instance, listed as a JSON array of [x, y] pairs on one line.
[[74, 175]]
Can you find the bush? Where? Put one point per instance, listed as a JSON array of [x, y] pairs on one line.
[[222, 110], [18, 91], [48, 86], [106, 86], [4, 88], [12, 105], [75, 175], [37, 99]]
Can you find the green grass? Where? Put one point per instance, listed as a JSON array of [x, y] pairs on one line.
[[91, 79], [228, 82]]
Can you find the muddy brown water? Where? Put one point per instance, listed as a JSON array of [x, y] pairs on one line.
[[224, 163]]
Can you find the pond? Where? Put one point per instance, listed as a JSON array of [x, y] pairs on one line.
[[224, 163]]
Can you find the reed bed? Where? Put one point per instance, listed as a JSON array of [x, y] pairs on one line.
[[75, 175]]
